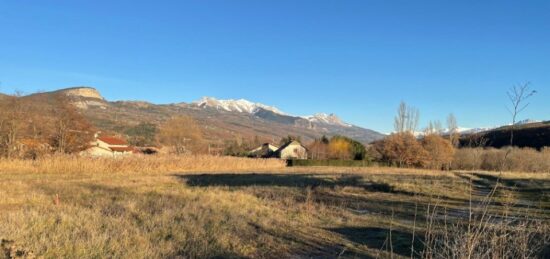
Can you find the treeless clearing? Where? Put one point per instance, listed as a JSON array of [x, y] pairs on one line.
[[151, 207]]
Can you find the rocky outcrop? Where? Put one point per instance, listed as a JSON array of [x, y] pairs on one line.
[[86, 92], [84, 97]]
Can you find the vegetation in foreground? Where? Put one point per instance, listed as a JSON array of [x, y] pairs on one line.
[[114, 209]]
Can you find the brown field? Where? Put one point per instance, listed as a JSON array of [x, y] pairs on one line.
[[197, 207]]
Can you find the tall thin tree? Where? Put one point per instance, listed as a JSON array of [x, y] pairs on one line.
[[518, 95], [452, 127], [406, 119]]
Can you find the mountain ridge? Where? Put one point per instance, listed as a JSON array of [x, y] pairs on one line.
[[243, 105], [221, 119]]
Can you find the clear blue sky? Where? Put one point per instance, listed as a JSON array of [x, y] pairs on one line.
[[357, 59]]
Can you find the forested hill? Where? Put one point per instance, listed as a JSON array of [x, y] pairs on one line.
[[535, 135]]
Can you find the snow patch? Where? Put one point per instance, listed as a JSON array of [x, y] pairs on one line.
[[245, 106], [231, 105], [324, 118]]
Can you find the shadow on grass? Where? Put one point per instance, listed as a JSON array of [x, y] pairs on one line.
[[531, 192], [282, 180], [379, 238]]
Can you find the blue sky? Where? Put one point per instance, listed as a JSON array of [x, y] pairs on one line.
[[357, 59]]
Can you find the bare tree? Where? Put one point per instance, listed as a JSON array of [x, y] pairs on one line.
[[11, 124], [438, 127], [71, 131], [413, 118], [400, 118], [517, 96], [406, 119], [430, 129], [452, 126], [434, 127], [182, 133]]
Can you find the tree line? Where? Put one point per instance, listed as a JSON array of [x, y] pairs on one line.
[[29, 128]]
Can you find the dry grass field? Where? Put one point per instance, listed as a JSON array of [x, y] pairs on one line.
[[204, 207]]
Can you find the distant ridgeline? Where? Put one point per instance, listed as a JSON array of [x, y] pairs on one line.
[[534, 135], [221, 120]]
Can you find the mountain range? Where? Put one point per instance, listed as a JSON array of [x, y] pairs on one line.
[[221, 119]]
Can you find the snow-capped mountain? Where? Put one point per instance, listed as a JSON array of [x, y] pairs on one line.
[[245, 106], [326, 119], [240, 105], [319, 124], [461, 130], [473, 130]]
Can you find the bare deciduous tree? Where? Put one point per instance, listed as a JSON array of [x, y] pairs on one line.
[[434, 127], [452, 126], [406, 119], [11, 124], [517, 96], [71, 131], [182, 133]]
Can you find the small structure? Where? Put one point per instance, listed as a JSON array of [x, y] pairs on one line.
[[264, 151], [109, 146], [292, 150]]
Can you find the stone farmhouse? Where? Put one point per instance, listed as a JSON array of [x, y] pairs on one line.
[[291, 150], [108, 146]]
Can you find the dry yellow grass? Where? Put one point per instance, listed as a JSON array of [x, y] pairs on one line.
[[139, 164], [199, 207]]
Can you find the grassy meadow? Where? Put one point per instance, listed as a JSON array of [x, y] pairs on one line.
[[204, 207]]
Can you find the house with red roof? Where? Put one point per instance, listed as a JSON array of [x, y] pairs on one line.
[[108, 146]]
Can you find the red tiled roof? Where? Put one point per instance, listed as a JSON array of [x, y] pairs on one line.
[[113, 140]]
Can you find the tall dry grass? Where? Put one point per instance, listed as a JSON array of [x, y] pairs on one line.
[[504, 159], [129, 208], [139, 164], [486, 233]]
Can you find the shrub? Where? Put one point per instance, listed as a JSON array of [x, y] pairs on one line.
[[402, 149], [504, 159], [339, 149], [468, 158], [439, 152]]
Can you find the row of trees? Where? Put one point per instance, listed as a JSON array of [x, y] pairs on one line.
[[405, 150], [402, 148], [29, 128]]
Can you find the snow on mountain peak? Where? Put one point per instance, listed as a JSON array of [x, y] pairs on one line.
[[327, 119], [232, 105], [245, 106]]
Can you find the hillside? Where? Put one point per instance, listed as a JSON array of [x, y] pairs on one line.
[[221, 119], [535, 135]]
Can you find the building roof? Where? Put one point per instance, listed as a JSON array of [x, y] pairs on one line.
[[113, 140], [291, 143], [271, 147]]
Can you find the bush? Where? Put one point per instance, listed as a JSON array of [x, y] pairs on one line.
[[468, 158], [504, 159], [403, 149], [439, 152]]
